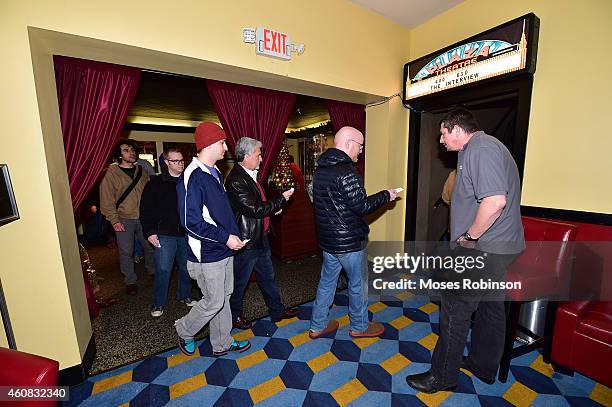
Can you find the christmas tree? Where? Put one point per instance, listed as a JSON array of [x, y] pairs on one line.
[[282, 178]]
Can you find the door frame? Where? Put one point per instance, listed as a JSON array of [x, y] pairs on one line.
[[519, 86]]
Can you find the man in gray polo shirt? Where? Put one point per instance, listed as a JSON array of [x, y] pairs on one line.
[[485, 221]]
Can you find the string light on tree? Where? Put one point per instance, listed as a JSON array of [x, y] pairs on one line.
[[282, 178]]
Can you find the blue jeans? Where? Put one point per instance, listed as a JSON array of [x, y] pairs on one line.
[[258, 260], [355, 264], [172, 247], [137, 248]]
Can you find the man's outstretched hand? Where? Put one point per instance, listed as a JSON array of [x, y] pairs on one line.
[[287, 194], [392, 194]]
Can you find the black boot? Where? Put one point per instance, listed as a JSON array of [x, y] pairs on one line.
[[426, 383], [465, 365]]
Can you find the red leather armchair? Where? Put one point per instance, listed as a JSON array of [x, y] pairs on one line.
[[24, 369], [543, 269], [582, 339]]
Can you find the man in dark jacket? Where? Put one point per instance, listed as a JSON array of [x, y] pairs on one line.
[[160, 224], [252, 210], [340, 204]]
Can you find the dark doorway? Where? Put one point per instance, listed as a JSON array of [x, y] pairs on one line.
[[502, 110]]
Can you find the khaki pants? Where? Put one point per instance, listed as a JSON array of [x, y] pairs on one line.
[[216, 280]]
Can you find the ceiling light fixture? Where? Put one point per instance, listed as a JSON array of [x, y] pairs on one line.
[[157, 121], [310, 126]]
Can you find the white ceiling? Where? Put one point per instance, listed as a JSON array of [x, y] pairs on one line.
[[409, 13]]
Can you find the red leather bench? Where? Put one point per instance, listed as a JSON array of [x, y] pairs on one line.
[[24, 369], [543, 269], [582, 339]]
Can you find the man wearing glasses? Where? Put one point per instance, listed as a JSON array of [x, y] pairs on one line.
[[160, 224], [340, 203]]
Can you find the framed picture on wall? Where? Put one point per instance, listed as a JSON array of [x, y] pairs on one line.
[[8, 207]]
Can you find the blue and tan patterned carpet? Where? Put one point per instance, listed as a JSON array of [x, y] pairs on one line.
[[284, 367]]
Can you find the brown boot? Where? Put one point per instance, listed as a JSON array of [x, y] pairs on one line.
[[241, 323], [374, 329], [287, 314], [331, 327]]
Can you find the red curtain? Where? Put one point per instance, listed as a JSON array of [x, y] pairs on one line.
[[94, 99], [246, 111], [349, 114]]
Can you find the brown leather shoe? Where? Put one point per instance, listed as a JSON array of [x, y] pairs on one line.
[[374, 329], [132, 289], [241, 323], [287, 314], [331, 327]]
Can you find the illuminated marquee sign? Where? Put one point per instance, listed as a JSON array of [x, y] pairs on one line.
[[506, 49]]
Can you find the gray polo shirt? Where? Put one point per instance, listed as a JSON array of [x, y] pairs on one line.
[[485, 168]]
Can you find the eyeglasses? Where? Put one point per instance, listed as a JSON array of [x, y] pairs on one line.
[[176, 161], [361, 146]]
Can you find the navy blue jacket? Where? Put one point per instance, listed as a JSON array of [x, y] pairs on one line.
[[205, 213]]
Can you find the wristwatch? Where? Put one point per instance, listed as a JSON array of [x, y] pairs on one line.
[[469, 238]]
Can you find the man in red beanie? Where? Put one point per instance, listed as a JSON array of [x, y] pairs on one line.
[[212, 237]]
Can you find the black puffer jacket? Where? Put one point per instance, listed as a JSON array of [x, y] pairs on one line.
[[249, 209], [341, 202]]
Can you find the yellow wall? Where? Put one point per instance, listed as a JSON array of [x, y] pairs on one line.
[[386, 159], [358, 61], [568, 163], [3, 339]]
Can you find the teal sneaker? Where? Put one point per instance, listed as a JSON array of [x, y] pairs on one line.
[[236, 346], [187, 346]]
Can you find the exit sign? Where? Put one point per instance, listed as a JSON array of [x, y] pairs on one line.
[[273, 43]]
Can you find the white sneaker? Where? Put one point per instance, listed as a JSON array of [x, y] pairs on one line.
[[157, 312]]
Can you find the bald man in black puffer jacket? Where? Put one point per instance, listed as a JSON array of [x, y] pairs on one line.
[[340, 203]]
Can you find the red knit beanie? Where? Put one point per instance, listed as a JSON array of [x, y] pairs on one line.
[[208, 133]]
